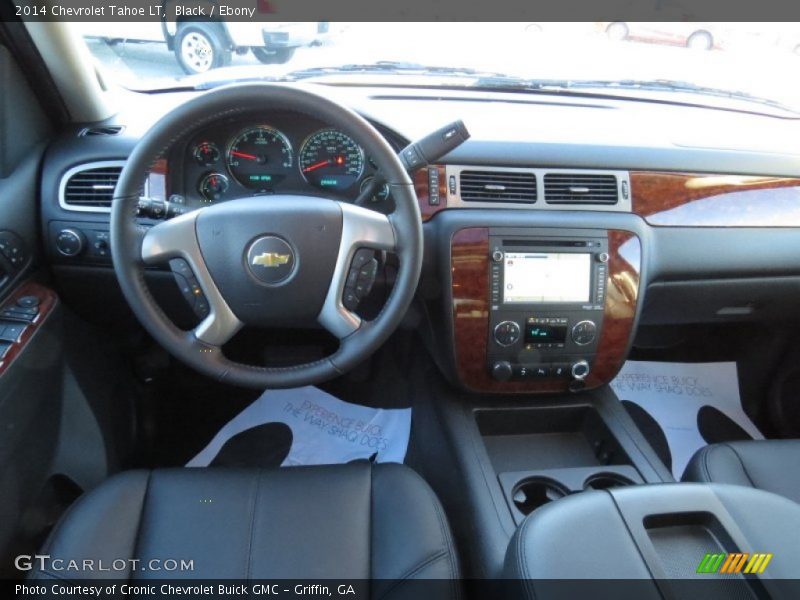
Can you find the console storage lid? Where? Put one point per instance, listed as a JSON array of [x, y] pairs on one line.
[[656, 537]]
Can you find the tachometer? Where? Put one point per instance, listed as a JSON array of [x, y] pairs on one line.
[[260, 158], [330, 159]]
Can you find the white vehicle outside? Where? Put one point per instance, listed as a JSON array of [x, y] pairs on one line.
[[200, 46]]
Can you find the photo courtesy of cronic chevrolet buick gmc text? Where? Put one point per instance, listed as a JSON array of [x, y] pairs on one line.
[[509, 311]]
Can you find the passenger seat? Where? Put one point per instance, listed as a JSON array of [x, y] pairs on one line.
[[769, 465]]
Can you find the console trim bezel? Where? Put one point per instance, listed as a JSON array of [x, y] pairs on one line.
[[469, 265]]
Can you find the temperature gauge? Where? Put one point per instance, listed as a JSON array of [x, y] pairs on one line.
[[213, 186], [206, 154]]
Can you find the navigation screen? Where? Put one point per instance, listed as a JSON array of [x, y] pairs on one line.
[[543, 277]]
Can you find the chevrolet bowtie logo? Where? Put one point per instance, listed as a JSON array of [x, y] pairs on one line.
[[271, 259]]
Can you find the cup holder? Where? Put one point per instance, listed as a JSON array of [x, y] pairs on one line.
[[605, 481], [530, 494]]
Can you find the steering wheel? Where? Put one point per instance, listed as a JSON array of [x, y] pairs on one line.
[[269, 261]]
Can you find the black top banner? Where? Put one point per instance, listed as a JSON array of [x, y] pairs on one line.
[[401, 10]]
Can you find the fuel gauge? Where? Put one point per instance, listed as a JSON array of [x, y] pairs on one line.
[[206, 154], [213, 186], [380, 194]]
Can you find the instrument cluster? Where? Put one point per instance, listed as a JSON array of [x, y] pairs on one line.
[[280, 153]]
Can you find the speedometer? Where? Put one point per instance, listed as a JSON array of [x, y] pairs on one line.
[[260, 158], [330, 159]]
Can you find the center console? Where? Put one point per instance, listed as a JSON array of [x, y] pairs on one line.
[[679, 540], [542, 309]]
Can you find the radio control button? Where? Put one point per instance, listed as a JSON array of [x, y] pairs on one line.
[[497, 256], [506, 333], [521, 372], [559, 370], [602, 257], [584, 333], [541, 372], [502, 370], [579, 370]]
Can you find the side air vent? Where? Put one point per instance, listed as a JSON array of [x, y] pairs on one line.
[[101, 130], [90, 188], [498, 186], [580, 188]]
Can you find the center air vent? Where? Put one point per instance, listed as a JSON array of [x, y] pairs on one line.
[[90, 188], [498, 186], [580, 188]]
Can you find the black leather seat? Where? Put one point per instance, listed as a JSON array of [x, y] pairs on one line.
[[354, 521], [769, 465]]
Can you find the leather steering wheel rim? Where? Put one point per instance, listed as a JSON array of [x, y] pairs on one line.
[[133, 246]]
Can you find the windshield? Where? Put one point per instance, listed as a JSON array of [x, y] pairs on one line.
[[700, 62]]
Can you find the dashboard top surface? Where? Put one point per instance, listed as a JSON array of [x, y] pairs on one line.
[[544, 130]]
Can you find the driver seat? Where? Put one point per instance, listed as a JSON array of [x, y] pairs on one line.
[[356, 521]]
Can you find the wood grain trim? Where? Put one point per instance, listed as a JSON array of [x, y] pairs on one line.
[[48, 300], [160, 168], [470, 293], [423, 192], [709, 200], [619, 314]]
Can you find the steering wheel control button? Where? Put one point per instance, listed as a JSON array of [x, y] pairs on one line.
[[201, 308], [584, 333], [350, 301], [506, 333], [181, 267], [366, 278], [361, 258], [360, 278], [270, 260], [190, 289]]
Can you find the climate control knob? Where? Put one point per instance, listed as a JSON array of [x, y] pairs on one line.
[[579, 370], [584, 333], [70, 242], [502, 370], [506, 333]]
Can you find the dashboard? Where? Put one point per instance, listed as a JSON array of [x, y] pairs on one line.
[[533, 181], [264, 154]]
